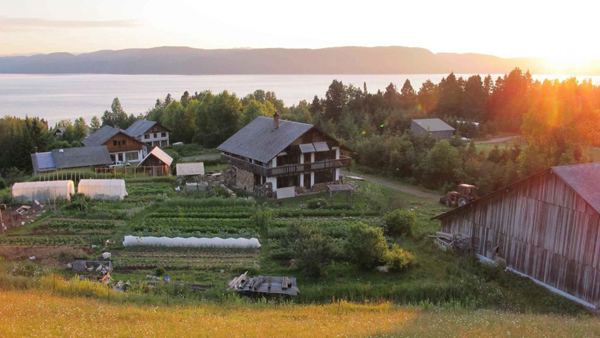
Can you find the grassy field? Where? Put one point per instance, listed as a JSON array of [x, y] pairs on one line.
[[37, 314]]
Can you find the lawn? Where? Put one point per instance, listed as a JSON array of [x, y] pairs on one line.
[[46, 315]]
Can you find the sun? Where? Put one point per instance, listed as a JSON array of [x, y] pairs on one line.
[[569, 63]]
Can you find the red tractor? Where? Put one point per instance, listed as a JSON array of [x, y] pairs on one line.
[[465, 193]]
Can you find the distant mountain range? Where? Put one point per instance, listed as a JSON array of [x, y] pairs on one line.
[[339, 60]]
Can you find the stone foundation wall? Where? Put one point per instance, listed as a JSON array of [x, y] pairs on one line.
[[244, 180]]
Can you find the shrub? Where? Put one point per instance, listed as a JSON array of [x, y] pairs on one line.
[[159, 271], [2, 184], [78, 202], [366, 246], [262, 218], [314, 252], [397, 259], [399, 222], [316, 203]]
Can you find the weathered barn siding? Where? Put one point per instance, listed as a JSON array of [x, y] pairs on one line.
[[542, 228]]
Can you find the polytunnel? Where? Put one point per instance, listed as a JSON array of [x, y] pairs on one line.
[[214, 242], [102, 189], [43, 191]]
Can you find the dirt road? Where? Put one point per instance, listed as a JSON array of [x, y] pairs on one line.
[[394, 185]]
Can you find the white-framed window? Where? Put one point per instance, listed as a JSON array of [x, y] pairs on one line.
[[132, 156]]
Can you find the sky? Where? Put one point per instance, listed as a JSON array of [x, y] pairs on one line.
[[561, 31]]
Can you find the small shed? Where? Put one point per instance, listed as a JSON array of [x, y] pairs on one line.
[[190, 169], [103, 189], [436, 127], [159, 160], [43, 191]]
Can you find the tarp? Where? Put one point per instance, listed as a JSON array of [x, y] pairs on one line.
[[43, 191], [103, 189], [215, 242]]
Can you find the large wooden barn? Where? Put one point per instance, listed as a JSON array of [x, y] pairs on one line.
[[544, 227]]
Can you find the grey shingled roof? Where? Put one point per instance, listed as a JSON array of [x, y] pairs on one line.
[[139, 127], [260, 141], [433, 125], [81, 157], [43, 161], [102, 135]]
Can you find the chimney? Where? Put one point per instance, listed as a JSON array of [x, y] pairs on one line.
[[276, 121]]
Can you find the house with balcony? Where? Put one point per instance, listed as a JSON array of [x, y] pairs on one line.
[[151, 133], [283, 154], [122, 148]]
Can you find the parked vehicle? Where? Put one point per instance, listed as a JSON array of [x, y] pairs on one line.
[[464, 193]]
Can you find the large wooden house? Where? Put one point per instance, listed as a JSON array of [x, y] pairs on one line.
[[122, 147], [151, 133], [545, 227], [283, 154]]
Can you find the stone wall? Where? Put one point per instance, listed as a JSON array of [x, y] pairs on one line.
[[244, 180]]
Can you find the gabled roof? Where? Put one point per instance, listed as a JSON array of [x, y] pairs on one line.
[[81, 157], [140, 127], [260, 141], [70, 158], [582, 178], [190, 169], [159, 154], [433, 125], [101, 136]]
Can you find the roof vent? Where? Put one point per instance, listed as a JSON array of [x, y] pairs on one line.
[[276, 121]]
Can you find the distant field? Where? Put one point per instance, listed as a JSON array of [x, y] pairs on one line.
[[37, 314]]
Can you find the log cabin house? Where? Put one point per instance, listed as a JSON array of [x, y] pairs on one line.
[[122, 147], [545, 227], [283, 154]]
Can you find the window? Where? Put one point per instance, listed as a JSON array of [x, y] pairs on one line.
[[146, 136], [163, 134], [115, 143], [123, 142], [155, 135], [120, 157], [132, 156]]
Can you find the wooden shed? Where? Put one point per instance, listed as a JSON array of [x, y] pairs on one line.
[[544, 227]]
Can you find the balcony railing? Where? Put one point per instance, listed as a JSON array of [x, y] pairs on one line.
[[289, 169]]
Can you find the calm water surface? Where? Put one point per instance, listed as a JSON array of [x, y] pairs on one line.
[[57, 97]]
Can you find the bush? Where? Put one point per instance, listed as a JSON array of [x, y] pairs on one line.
[[262, 218], [399, 222], [316, 203], [314, 252], [159, 271], [366, 246], [2, 184], [397, 259], [78, 202]]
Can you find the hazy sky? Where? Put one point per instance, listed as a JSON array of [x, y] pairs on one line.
[[560, 30]]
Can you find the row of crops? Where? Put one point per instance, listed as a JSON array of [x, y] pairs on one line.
[[55, 240]]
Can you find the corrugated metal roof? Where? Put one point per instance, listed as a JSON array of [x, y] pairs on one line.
[[583, 178], [81, 157], [101, 136], [139, 127], [260, 141], [433, 125], [190, 169], [159, 154]]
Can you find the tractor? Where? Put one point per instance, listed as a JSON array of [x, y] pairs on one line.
[[464, 193]]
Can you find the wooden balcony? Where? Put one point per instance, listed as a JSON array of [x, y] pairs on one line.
[[289, 169]]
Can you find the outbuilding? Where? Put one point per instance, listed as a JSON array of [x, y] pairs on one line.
[[103, 189], [436, 127], [545, 227], [43, 191], [158, 161], [194, 169]]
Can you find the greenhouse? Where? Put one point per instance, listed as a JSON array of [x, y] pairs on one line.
[[103, 189], [214, 242], [43, 191]]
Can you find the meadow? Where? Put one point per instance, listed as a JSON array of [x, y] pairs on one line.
[[41, 314]]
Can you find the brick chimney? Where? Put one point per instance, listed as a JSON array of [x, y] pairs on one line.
[[276, 121]]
